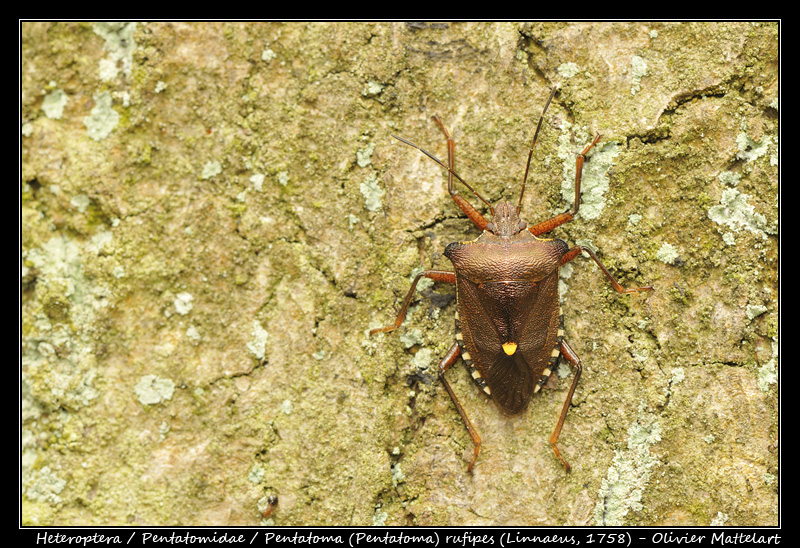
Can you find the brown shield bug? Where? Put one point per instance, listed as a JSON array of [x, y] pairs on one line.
[[509, 325]]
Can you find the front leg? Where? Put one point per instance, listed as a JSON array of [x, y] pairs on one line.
[[548, 225], [473, 214]]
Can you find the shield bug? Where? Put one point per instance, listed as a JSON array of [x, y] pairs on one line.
[[508, 323]]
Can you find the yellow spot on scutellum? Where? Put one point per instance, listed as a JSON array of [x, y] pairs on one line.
[[509, 348]]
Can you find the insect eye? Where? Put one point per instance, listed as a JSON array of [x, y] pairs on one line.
[[522, 225], [490, 227]]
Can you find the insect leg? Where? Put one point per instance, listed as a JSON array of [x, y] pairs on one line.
[[575, 251], [478, 219], [558, 220], [448, 360], [435, 275], [575, 361]]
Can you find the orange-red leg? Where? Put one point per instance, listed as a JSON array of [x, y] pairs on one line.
[[448, 360], [435, 275], [474, 216], [548, 225], [575, 251], [575, 361]]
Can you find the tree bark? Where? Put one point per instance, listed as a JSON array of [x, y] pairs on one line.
[[213, 216]]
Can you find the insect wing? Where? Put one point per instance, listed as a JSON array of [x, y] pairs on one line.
[[492, 314], [541, 335]]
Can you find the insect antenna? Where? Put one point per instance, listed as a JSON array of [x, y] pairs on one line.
[[533, 143], [438, 161]]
